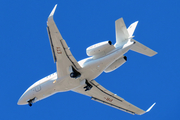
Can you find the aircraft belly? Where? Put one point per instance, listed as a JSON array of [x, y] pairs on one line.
[[67, 83], [92, 68], [45, 90]]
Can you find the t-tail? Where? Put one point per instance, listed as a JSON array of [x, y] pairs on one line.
[[124, 36]]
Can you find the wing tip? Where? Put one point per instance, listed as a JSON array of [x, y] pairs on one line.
[[147, 109], [154, 53], [150, 107], [52, 12]]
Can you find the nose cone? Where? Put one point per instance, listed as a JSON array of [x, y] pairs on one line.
[[29, 94], [22, 100], [25, 97]]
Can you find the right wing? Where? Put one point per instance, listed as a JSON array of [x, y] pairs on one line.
[[102, 95], [61, 53]]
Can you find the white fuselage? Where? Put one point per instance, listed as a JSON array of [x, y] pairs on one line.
[[91, 68]]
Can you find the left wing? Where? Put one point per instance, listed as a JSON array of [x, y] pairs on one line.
[[61, 53], [102, 95]]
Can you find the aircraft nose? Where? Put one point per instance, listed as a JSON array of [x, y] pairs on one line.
[[21, 101], [25, 97], [29, 94]]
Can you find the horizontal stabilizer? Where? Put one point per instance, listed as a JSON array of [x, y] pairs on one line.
[[140, 48]]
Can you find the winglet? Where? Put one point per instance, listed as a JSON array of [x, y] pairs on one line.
[[150, 107], [52, 12]]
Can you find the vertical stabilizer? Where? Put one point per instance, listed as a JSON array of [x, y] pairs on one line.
[[122, 34], [132, 28], [124, 37]]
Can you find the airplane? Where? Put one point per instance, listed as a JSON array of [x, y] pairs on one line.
[[79, 76]]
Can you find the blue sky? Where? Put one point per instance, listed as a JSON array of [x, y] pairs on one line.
[[26, 57]]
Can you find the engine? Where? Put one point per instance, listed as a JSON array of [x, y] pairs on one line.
[[116, 64], [98, 48]]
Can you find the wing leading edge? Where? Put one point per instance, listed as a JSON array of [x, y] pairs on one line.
[[102, 95], [61, 53]]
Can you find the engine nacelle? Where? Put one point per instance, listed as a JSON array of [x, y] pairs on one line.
[[116, 64], [98, 48]]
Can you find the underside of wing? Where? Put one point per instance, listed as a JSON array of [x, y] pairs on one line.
[[102, 95], [61, 53]]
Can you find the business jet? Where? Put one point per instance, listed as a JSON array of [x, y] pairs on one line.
[[79, 76]]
